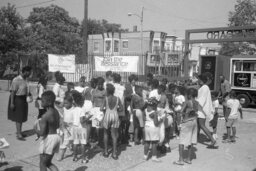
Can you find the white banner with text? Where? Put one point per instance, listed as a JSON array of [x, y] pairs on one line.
[[117, 63], [62, 63]]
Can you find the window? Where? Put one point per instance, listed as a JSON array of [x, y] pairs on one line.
[[108, 46], [156, 46], [116, 45], [96, 47], [125, 44]]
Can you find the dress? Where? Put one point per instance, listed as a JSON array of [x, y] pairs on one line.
[[111, 118], [151, 131], [20, 113]]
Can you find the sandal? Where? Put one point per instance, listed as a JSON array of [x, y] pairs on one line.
[[114, 157], [226, 141], [188, 161], [180, 163], [105, 155], [75, 159]]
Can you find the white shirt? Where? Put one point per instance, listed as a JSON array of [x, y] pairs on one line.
[[80, 89], [215, 104], [68, 115], [154, 93], [78, 113], [234, 105], [59, 92], [119, 91], [179, 100], [87, 107], [205, 103]]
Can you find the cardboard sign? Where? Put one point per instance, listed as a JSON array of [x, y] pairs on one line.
[[62, 63], [117, 63]]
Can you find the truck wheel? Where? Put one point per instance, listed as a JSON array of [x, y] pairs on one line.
[[244, 100]]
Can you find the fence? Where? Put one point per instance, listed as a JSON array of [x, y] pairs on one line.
[[81, 70]]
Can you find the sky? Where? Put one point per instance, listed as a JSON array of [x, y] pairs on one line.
[[170, 16]]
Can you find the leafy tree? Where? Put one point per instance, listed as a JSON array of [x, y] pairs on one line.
[[54, 31], [102, 26], [244, 14], [11, 24]]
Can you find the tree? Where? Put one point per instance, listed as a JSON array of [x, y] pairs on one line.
[[102, 26], [11, 24], [243, 15], [54, 31]]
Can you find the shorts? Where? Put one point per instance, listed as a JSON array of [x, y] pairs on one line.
[[231, 123], [67, 137], [50, 144], [188, 133], [79, 135], [214, 121], [138, 118], [152, 133]]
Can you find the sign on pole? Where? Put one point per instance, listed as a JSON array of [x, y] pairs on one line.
[[117, 63], [62, 63]]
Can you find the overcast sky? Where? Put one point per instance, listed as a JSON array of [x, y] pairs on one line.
[[170, 16]]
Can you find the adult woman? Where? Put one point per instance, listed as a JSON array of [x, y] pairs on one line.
[[18, 106], [205, 106], [59, 92]]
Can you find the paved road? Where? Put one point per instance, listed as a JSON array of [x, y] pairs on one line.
[[241, 156]]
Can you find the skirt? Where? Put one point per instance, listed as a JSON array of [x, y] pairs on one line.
[[20, 113], [152, 133]]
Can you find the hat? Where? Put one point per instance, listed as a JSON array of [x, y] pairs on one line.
[[152, 101]]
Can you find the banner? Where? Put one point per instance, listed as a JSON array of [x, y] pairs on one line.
[[117, 63], [62, 63]]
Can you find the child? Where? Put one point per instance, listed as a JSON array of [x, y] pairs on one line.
[[214, 121], [179, 100], [70, 87], [41, 88], [163, 108], [98, 96], [67, 125], [234, 107], [151, 129], [112, 104], [47, 128], [188, 132], [79, 130], [137, 115]]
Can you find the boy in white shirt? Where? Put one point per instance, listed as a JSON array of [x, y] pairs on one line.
[[234, 107]]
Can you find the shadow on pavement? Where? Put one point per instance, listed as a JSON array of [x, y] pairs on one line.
[[29, 132], [82, 168], [15, 168], [193, 153], [202, 139]]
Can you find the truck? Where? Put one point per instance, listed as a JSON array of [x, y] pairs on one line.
[[239, 70]]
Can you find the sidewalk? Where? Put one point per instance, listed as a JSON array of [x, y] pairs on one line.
[[241, 156]]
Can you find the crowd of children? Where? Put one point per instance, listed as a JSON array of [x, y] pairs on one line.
[[130, 114]]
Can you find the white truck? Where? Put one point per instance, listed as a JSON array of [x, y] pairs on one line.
[[239, 70]]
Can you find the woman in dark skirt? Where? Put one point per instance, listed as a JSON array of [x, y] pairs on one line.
[[18, 106]]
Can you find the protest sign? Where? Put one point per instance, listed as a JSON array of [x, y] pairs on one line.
[[117, 63], [62, 63]]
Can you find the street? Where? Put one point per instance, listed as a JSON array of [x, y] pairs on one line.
[[241, 156]]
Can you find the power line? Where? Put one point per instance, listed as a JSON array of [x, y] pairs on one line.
[[35, 4]]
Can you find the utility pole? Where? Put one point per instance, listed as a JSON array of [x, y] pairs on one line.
[[85, 54]]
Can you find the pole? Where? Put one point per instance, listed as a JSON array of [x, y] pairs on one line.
[[141, 39], [186, 53], [85, 31]]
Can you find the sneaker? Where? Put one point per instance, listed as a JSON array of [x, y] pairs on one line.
[[145, 157], [154, 159]]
